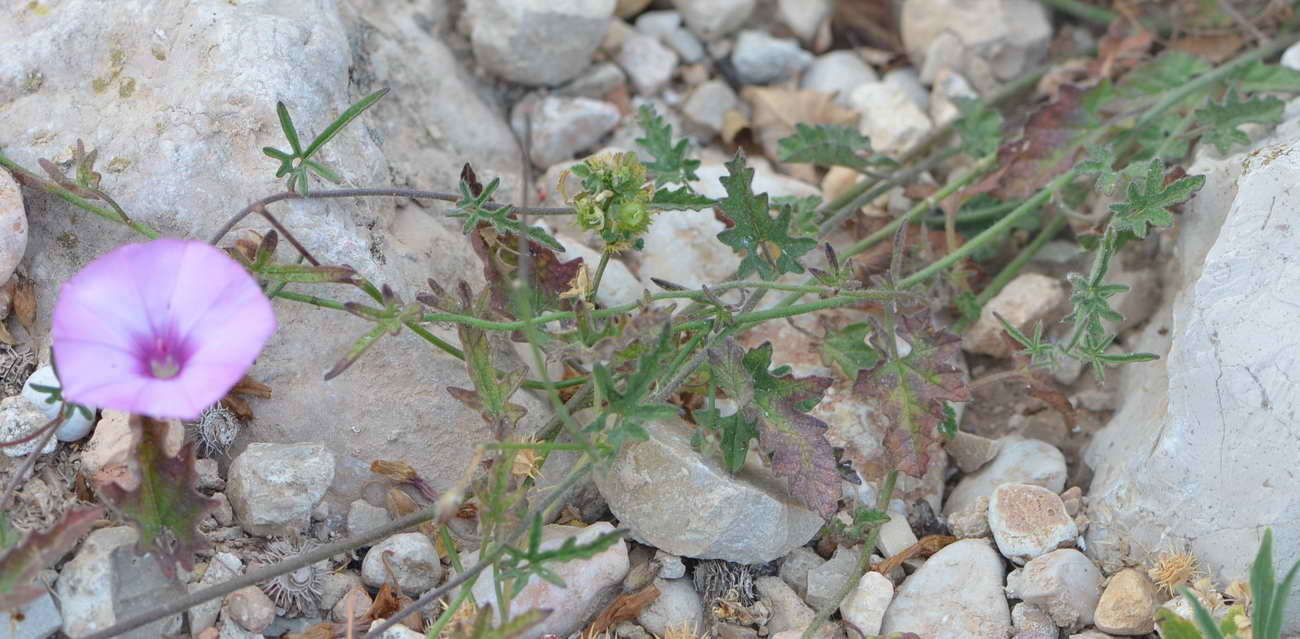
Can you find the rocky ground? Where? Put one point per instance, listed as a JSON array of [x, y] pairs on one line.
[[1032, 526]]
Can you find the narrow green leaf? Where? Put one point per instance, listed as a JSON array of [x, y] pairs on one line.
[[323, 171], [358, 349], [1203, 619], [1174, 627], [307, 273], [342, 121], [286, 125]]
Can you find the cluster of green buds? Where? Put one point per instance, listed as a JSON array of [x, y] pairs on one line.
[[615, 200]]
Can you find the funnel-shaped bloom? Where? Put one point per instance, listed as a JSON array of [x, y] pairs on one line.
[[163, 328]]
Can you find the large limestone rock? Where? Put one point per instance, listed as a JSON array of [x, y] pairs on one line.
[[1201, 454], [179, 114]]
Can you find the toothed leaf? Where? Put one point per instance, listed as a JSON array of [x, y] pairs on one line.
[[21, 560], [1149, 203], [670, 163], [828, 145], [763, 242], [1224, 118]]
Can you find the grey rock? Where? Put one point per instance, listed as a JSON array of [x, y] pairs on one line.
[[828, 579], [1020, 461], [890, 118], [990, 41], [1204, 423], [274, 487], [250, 608], [804, 17], [363, 517], [760, 58], [227, 628], [20, 418], [797, 565], [971, 522], [711, 19], [73, 428], [688, 47], [658, 23], [590, 584], [36, 619], [224, 513], [1063, 582], [209, 473], [648, 63], [748, 517], [357, 599], [563, 126], [895, 535], [955, 594], [949, 86], [670, 566], [678, 606], [630, 630], [107, 582], [1291, 57], [907, 80], [221, 568], [838, 72], [537, 42], [597, 83], [864, 609], [335, 585], [708, 104], [1027, 617], [413, 559], [789, 612], [1028, 521]]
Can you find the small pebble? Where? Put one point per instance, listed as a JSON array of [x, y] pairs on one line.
[[864, 609], [414, 561], [1028, 521], [796, 566], [1128, 605], [670, 566], [358, 598], [760, 58], [1063, 582], [648, 63], [250, 608], [1027, 617], [970, 451]]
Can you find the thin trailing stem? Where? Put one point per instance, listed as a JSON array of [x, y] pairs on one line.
[[864, 561], [45, 433], [1012, 269], [35, 181]]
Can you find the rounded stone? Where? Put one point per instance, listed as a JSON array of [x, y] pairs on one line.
[[73, 428], [274, 487], [13, 226], [412, 557], [1128, 605], [250, 608], [1028, 521]]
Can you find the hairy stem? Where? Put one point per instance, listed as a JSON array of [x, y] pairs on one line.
[[864, 561]]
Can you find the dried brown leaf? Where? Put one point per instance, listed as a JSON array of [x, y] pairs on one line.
[[625, 608], [1124, 46], [20, 563], [25, 302], [776, 111], [398, 471], [1053, 139]]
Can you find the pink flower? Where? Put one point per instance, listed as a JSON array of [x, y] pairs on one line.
[[163, 329]]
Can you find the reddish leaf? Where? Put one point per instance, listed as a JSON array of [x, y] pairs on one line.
[[1124, 46], [1053, 138], [549, 276], [795, 439], [21, 562], [914, 388], [165, 507]]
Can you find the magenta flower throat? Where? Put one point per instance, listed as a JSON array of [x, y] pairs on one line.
[[163, 328]]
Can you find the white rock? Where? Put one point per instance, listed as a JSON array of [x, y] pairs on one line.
[[356, 599], [658, 23], [111, 444], [678, 606], [970, 452], [107, 582], [250, 608], [37, 619], [563, 126], [909, 81], [797, 565], [789, 612], [994, 39], [1291, 58], [748, 517], [889, 117], [20, 418], [1021, 461], [13, 218], [708, 104], [760, 58], [597, 83], [413, 559], [537, 42], [590, 584], [670, 565], [363, 517], [864, 609], [1026, 300], [895, 535], [826, 581], [838, 72], [273, 487], [648, 63], [955, 594], [971, 522], [228, 628], [711, 19], [804, 17], [73, 428], [221, 568], [335, 585], [949, 86], [1063, 582], [1210, 421], [1028, 521], [1027, 617], [398, 631]]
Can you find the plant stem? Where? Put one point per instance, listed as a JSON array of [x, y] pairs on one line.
[[30, 461], [1083, 10], [36, 181], [991, 233], [1012, 269], [600, 273], [864, 560]]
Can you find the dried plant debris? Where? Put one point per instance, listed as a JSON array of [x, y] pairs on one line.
[[296, 593], [716, 579], [216, 430], [16, 365]]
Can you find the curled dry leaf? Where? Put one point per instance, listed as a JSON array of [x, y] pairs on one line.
[[924, 547], [776, 111], [625, 608], [25, 301]]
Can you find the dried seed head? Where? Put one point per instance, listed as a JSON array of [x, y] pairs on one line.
[[1173, 569], [216, 430]]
